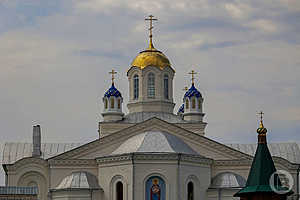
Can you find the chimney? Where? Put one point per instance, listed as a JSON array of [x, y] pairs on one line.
[[36, 151]]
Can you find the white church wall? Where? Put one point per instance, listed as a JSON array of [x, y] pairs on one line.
[[167, 170], [199, 175], [72, 195], [110, 174], [222, 194]]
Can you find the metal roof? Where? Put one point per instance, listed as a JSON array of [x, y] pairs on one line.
[[288, 151], [18, 190], [79, 180], [13, 152], [154, 141], [228, 180]]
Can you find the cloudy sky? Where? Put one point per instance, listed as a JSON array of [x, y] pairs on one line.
[[55, 56]]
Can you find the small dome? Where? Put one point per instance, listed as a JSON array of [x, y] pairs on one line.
[[228, 180], [192, 92], [154, 142], [151, 57], [79, 180], [181, 109], [112, 92]]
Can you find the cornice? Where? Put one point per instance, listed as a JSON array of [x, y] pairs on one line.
[[154, 157], [72, 162], [246, 162]]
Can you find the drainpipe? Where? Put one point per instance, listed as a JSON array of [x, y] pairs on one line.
[[133, 174], [178, 177], [298, 170]]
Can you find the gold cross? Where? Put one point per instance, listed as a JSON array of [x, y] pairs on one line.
[[261, 115], [150, 28], [193, 77], [113, 72]]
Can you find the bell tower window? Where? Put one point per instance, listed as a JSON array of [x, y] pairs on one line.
[[136, 87], [105, 103], [112, 103], [151, 85], [119, 190], [193, 102], [119, 103], [199, 104], [187, 105], [166, 86]]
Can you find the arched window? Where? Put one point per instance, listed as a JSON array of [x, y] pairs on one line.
[[105, 103], [151, 85], [119, 103], [119, 191], [166, 86], [112, 103], [199, 104], [193, 102], [187, 105], [190, 191], [136, 87]]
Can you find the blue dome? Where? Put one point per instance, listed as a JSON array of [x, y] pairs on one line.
[[112, 92], [192, 92], [181, 109]]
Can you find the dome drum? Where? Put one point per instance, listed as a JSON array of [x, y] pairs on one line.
[[150, 83], [113, 101], [193, 101]]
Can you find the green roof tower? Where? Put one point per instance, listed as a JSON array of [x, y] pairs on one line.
[[263, 183]]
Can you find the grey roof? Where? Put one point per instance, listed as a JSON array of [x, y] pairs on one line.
[[79, 180], [154, 141], [5, 190], [288, 151], [13, 152], [143, 116], [228, 180]]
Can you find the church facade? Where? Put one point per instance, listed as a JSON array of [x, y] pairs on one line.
[[149, 153]]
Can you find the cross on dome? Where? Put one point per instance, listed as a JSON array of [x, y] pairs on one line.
[[113, 72], [193, 76], [261, 115], [150, 19]]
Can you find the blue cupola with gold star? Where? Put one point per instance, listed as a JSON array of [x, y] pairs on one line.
[[193, 101], [113, 101]]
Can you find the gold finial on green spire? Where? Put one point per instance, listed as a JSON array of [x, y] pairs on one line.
[[150, 19], [113, 72], [261, 129]]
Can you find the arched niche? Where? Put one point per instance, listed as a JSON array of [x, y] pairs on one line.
[[35, 179]]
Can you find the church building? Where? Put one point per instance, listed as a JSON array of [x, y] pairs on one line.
[[150, 153]]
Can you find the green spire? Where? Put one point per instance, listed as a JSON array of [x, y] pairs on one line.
[[262, 168]]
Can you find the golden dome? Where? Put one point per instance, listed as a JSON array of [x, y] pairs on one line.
[[151, 57]]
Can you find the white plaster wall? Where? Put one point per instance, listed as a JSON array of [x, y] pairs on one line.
[[167, 171], [200, 175], [72, 195], [110, 174]]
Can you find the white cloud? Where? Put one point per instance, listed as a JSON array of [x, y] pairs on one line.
[[264, 25], [239, 11]]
